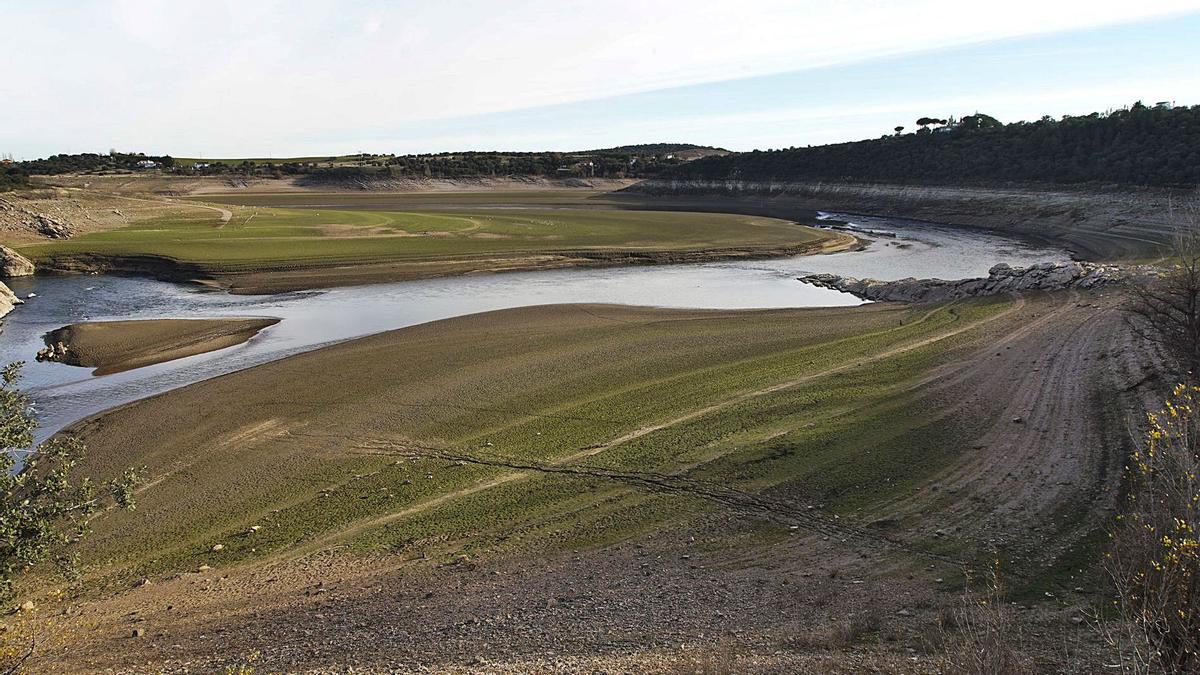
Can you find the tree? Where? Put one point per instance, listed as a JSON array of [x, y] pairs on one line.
[[44, 506], [1138, 146], [1166, 310], [898, 130], [980, 121]]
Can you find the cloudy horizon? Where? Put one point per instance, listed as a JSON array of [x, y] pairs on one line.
[[267, 78]]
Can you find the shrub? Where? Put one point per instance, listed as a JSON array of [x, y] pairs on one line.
[[1155, 557]]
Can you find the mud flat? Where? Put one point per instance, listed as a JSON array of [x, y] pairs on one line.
[[592, 452], [117, 346]]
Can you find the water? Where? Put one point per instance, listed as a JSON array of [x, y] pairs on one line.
[[64, 394]]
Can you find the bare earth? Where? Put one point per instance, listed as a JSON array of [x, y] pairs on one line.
[[116, 346], [1037, 471]]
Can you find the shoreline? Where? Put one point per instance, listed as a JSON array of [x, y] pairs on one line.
[[117, 346], [1093, 223], [297, 276]]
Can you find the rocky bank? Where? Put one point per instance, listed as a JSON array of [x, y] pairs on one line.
[[1097, 223], [8, 300], [1000, 279], [12, 264]]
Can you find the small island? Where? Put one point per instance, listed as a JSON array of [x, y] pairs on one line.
[[117, 346]]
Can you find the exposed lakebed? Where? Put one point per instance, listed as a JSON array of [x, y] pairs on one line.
[[65, 394]]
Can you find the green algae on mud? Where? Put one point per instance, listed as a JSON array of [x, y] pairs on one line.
[[267, 249], [340, 447]]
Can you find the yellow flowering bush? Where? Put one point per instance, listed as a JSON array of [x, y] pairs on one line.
[[1155, 557]]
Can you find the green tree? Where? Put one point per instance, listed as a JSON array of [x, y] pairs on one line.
[[44, 506]]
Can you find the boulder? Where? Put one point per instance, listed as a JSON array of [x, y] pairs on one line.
[[13, 264], [8, 300], [1001, 278]]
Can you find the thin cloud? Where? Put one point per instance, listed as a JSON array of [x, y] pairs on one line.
[[245, 76]]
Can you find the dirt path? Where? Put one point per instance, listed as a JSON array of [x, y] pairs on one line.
[[1042, 476], [225, 214]]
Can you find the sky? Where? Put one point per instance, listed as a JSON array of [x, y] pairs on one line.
[[280, 78]]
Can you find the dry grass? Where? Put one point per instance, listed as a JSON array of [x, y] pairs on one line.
[[1155, 558], [982, 636]]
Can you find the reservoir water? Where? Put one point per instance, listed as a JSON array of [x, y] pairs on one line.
[[311, 319]]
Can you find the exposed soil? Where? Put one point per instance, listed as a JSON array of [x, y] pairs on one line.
[[23, 215], [1038, 413], [132, 184], [1098, 224], [117, 346], [268, 278]]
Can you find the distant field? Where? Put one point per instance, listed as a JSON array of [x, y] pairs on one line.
[[578, 198], [341, 238]]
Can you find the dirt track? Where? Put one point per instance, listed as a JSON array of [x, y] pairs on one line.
[[1028, 489]]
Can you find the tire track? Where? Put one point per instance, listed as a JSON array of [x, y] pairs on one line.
[[760, 506]]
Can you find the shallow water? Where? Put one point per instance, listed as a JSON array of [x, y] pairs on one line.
[[64, 394]]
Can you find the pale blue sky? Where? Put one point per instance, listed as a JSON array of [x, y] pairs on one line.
[[273, 78]]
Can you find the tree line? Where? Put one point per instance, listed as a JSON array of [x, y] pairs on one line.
[[12, 177], [638, 161], [90, 162], [1140, 145]]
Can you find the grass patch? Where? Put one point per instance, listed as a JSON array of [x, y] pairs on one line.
[[292, 447], [266, 236]]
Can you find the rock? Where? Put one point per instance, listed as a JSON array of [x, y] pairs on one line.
[[50, 227], [13, 264], [141, 582], [28, 606], [217, 547], [8, 300], [1017, 420], [139, 632], [1002, 278]]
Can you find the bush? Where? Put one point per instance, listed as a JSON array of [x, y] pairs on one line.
[[1155, 557], [44, 507], [981, 635]]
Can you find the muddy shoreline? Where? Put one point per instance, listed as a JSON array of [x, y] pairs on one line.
[[117, 346], [1096, 224], [281, 278]]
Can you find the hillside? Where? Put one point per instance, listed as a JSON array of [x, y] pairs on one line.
[[1141, 145]]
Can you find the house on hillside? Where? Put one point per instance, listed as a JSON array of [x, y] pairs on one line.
[[147, 164]]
